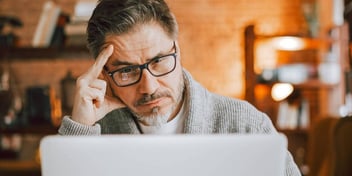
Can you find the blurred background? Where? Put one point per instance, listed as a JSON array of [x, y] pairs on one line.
[[291, 59]]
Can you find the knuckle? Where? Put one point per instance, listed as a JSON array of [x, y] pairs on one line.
[[81, 81], [82, 92]]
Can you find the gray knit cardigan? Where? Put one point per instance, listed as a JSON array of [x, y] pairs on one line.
[[206, 113]]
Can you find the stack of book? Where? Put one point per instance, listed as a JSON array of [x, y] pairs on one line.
[[75, 30], [47, 23]]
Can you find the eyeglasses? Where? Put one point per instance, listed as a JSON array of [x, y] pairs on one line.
[[158, 66]]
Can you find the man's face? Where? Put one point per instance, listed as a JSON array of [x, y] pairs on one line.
[[154, 100]]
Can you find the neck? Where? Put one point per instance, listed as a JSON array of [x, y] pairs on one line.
[[178, 107]]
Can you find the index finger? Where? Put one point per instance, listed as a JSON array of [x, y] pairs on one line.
[[102, 58]]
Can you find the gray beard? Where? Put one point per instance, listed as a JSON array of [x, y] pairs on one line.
[[156, 119]]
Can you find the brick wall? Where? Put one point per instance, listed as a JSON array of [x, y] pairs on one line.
[[211, 38]]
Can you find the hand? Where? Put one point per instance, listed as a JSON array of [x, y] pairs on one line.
[[91, 102]]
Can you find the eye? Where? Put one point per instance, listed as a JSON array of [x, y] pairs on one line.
[[127, 73], [158, 60], [127, 70]]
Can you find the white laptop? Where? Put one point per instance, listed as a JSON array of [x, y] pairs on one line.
[[163, 155]]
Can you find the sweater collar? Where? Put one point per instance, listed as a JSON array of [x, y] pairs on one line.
[[195, 101]]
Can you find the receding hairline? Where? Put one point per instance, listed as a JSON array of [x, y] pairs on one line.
[[137, 28]]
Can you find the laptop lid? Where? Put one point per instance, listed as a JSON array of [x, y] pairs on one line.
[[161, 155]]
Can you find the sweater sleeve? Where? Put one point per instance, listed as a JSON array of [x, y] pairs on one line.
[[118, 121], [70, 127], [291, 167]]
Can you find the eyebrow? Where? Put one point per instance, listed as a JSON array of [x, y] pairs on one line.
[[117, 62]]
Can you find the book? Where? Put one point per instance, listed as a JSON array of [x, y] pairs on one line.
[[76, 28], [83, 10], [75, 33], [46, 25], [76, 40]]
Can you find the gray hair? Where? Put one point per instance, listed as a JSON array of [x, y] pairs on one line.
[[118, 17]]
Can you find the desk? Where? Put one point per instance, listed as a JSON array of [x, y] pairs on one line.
[[19, 168]]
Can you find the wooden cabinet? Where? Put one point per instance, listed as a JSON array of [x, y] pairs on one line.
[[309, 84], [23, 157], [24, 53]]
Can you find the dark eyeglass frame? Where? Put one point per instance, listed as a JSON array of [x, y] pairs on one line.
[[145, 66]]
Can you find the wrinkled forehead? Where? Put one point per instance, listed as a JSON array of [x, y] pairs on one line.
[[141, 34], [142, 43]]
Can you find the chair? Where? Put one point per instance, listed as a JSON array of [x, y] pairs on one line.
[[320, 147], [342, 147]]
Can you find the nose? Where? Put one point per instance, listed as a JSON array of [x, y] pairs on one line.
[[148, 83]]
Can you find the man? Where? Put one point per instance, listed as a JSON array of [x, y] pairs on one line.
[[137, 84]]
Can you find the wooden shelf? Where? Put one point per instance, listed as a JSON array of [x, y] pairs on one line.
[[294, 131], [314, 84], [19, 168], [23, 53], [44, 129], [309, 43], [309, 84]]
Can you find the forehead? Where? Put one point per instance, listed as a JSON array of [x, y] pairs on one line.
[[144, 41]]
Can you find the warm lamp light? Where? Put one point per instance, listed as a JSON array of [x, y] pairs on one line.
[[280, 91], [288, 43]]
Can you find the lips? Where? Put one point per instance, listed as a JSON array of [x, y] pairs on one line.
[[153, 103]]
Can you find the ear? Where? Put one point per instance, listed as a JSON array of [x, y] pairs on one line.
[[178, 50]]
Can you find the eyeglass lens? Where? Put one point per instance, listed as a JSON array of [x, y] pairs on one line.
[[157, 67]]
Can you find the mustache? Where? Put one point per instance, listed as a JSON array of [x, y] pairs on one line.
[[150, 97]]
